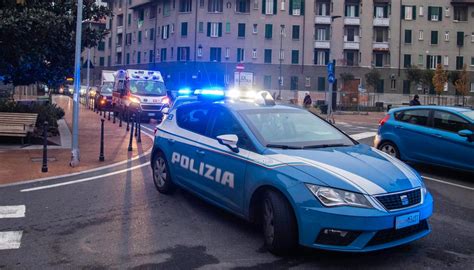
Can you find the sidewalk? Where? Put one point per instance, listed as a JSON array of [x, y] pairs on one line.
[[364, 118], [22, 165]]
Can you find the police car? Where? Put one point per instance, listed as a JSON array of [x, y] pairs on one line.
[[304, 180]]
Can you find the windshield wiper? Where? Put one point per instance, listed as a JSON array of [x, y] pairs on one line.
[[324, 145], [283, 146]]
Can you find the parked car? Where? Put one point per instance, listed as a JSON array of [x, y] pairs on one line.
[[103, 97], [429, 134]]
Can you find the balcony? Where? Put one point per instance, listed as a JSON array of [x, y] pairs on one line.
[[322, 44], [352, 21], [120, 29], [119, 48], [139, 3], [352, 44], [322, 19], [381, 46], [381, 21]]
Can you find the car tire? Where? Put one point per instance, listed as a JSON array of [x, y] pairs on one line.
[[162, 175], [389, 148], [279, 224]]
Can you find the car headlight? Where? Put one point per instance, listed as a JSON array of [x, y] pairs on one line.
[[331, 197], [134, 100]]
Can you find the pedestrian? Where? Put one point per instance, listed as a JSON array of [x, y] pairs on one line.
[[307, 100], [415, 101]]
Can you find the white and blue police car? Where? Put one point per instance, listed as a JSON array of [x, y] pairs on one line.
[[304, 180]]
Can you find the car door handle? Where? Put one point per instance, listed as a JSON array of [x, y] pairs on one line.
[[200, 152], [172, 141], [437, 135], [400, 127]]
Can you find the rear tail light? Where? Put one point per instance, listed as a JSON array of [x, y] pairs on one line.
[[385, 119]]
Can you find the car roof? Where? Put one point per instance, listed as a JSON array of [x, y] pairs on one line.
[[237, 105], [434, 107]]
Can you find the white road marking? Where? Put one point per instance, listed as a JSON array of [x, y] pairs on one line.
[[447, 183], [10, 240], [363, 135], [85, 179], [12, 211]]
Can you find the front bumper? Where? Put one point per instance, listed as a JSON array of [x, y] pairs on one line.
[[369, 229]]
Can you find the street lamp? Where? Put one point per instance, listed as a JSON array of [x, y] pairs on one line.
[[282, 27], [329, 98]]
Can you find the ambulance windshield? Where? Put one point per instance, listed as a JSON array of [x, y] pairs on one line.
[[147, 88]]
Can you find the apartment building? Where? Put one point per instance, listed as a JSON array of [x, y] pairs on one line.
[[285, 45]]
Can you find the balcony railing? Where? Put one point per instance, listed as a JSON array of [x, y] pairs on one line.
[[120, 29], [322, 19], [352, 21], [322, 44], [381, 21], [381, 46]]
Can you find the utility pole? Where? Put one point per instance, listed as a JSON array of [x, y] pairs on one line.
[[75, 157], [88, 72], [280, 79], [330, 116]]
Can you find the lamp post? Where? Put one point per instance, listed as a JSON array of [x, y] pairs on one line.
[[77, 85], [280, 81], [330, 84]]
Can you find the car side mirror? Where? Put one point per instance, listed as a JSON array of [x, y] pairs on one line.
[[466, 133], [229, 140]]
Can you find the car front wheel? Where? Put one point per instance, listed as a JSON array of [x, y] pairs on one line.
[[279, 225], [161, 174], [390, 148]]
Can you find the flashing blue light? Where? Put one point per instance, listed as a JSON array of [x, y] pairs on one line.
[[210, 92], [184, 91]]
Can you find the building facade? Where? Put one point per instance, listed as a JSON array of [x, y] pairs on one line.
[[285, 45]]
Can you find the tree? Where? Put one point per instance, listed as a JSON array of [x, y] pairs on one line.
[[427, 78], [462, 83], [346, 76], [414, 74], [37, 39], [439, 80], [372, 79]]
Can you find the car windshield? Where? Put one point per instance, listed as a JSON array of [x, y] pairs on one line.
[[290, 128], [469, 114], [107, 88], [147, 88]]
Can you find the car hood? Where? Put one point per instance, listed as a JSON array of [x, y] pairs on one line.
[[358, 168]]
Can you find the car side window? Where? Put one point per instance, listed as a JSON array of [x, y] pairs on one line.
[[449, 122], [225, 123], [193, 118], [416, 117]]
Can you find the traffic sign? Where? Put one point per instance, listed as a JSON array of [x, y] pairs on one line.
[[331, 68], [240, 67], [331, 78]]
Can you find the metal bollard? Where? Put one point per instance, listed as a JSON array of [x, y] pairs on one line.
[[139, 139], [44, 168], [109, 116], [114, 117], [128, 120], [100, 112], [136, 125], [131, 137], [120, 118], [101, 155]]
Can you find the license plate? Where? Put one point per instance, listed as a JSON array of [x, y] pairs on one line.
[[151, 114], [407, 220]]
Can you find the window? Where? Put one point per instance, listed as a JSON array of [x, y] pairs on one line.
[[435, 14], [380, 86], [472, 61], [269, 7], [268, 31], [199, 51], [215, 54], [225, 123], [407, 36], [307, 81], [321, 84], [432, 61], [295, 34], [215, 6], [282, 55], [416, 117], [185, 5], [406, 87], [380, 11], [139, 57], [321, 57], [434, 37], [184, 29], [449, 122], [101, 61], [214, 29], [254, 28], [446, 60], [241, 30], [129, 19], [240, 55], [282, 6], [351, 34], [322, 33], [446, 36], [227, 27], [227, 53], [446, 11], [267, 82], [267, 56], [420, 13], [459, 62], [322, 8], [296, 7], [420, 35], [460, 39], [472, 87], [141, 14], [101, 46], [393, 84], [151, 56], [379, 59], [163, 55], [406, 60], [409, 13], [242, 6], [201, 27], [165, 32], [152, 33], [152, 12], [183, 54], [381, 34], [293, 83], [349, 57], [127, 58], [460, 13], [166, 7], [201, 3], [254, 53], [295, 55], [139, 37], [193, 118], [352, 10]]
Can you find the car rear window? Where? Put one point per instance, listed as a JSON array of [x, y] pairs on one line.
[[416, 117]]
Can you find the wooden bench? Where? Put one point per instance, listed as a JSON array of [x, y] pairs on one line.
[[17, 124]]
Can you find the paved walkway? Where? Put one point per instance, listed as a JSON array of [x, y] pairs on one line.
[[22, 165]]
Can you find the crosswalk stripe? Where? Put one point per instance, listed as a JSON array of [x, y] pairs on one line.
[[10, 240], [12, 211], [363, 135]]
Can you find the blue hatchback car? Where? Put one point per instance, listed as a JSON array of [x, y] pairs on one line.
[[302, 179], [429, 134]]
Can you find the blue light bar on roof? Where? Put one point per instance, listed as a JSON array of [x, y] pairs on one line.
[[184, 91], [210, 92]]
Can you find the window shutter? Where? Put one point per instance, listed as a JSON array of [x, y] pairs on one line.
[[274, 7], [187, 53], [438, 59], [345, 10], [302, 7], [315, 56], [208, 29], [326, 55], [440, 12], [357, 10], [167, 32], [375, 11], [414, 12], [428, 61], [403, 12], [179, 53], [290, 9], [264, 5], [430, 11], [220, 30], [385, 11]]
